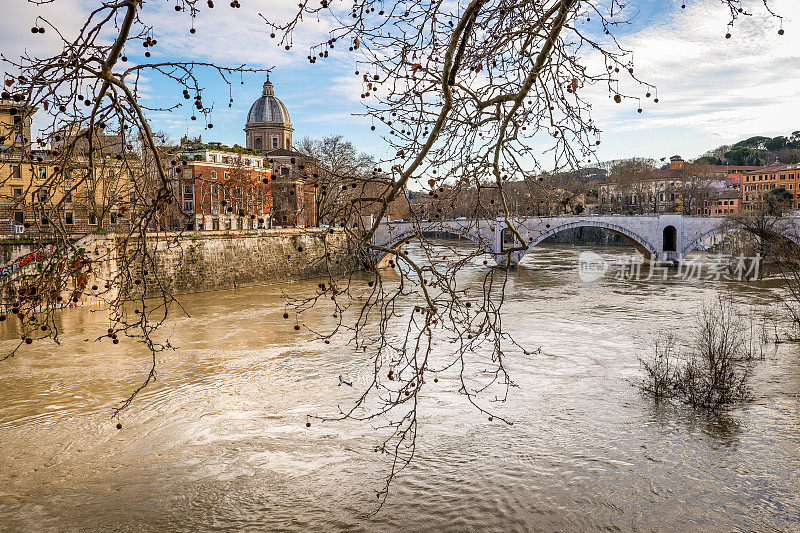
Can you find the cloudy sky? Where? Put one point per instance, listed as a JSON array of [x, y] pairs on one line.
[[712, 90]]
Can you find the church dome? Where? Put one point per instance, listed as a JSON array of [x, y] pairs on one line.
[[268, 109]]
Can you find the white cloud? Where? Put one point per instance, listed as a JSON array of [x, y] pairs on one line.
[[233, 36], [709, 87]]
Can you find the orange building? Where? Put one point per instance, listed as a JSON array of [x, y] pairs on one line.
[[725, 203], [758, 182]]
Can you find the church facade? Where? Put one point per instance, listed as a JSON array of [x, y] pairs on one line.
[[294, 191]]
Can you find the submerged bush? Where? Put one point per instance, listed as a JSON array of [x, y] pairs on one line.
[[715, 367]]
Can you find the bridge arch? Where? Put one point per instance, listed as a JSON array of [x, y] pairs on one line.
[[406, 236], [722, 228], [642, 245]]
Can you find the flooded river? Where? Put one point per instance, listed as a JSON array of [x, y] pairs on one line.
[[219, 441]]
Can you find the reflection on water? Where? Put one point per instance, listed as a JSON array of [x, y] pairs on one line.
[[219, 441]]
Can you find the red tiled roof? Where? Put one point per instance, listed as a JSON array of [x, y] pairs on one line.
[[779, 167]]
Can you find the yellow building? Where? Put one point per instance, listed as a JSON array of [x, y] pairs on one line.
[[43, 192]]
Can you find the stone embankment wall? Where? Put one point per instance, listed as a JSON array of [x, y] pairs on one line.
[[217, 260], [192, 262]]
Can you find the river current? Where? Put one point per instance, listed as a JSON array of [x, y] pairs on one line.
[[219, 441]]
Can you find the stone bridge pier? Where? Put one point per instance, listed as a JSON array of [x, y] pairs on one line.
[[662, 238]]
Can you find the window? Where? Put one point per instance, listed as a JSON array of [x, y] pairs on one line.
[[19, 218], [68, 197], [15, 172], [68, 218], [215, 224], [188, 206], [284, 171], [188, 192], [227, 175], [45, 220], [42, 173], [213, 159], [17, 192], [42, 195], [114, 217], [92, 219], [213, 175], [274, 142]]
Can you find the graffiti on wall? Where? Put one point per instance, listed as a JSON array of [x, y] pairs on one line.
[[25, 260]]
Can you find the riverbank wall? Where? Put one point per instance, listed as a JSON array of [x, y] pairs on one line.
[[186, 262], [203, 261]]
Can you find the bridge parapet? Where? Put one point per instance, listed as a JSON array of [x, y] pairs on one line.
[[663, 238]]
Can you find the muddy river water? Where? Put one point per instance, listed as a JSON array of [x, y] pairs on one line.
[[219, 441]]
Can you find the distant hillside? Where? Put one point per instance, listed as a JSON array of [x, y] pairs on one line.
[[756, 151]]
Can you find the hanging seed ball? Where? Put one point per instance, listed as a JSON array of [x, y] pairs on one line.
[[436, 380], [44, 327], [297, 327], [468, 304], [647, 95], [192, 31], [327, 341], [94, 287], [20, 316], [299, 248], [34, 30], [119, 425], [639, 110], [115, 341], [617, 98], [370, 283], [485, 262], [655, 100], [177, 8], [491, 418], [285, 315], [308, 424], [110, 331], [28, 340], [210, 3], [727, 35], [780, 31], [210, 125]]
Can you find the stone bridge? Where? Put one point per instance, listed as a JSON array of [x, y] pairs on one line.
[[662, 238]]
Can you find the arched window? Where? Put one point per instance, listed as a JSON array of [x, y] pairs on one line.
[[257, 143]]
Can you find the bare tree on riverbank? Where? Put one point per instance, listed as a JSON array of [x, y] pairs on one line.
[[461, 92]]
